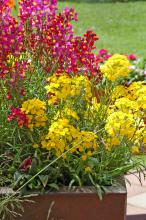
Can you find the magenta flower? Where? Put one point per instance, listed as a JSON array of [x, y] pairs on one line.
[[132, 57], [107, 56], [102, 52]]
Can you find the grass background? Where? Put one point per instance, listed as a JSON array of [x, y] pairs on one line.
[[120, 26]]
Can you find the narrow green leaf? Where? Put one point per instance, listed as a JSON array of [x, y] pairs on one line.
[[54, 186], [44, 179]]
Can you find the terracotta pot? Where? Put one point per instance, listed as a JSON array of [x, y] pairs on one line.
[[78, 204]]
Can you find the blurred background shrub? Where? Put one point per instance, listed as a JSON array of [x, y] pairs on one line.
[[101, 1]]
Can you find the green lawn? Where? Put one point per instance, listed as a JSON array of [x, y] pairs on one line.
[[120, 26]]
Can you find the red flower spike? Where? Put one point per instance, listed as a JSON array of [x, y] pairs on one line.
[[19, 115]]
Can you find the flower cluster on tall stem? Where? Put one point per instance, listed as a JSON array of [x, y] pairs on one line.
[[11, 39], [42, 35]]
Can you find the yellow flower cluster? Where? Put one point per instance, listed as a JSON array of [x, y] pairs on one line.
[[61, 134], [119, 92], [96, 111], [143, 136], [35, 110], [136, 90], [123, 118], [115, 67], [86, 143], [141, 97], [66, 112], [120, 124], [64, 86], [139, 139], [70, 112], [126, 105], [128, 115]]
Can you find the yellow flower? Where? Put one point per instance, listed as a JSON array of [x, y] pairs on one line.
[[141, 97], [65, 87], [134, 88], [59, 133], [135, 150], [35, 110], [62, 135], [72, 113], [112, 141], [64, 156], [81, 149], [120, 124], [44, 143], [87, 140], [89, 153], [126, 105], [84, 157], [115, 67], [88, 169], [67, 111], [35, 145], [119, 92], [140, 135]]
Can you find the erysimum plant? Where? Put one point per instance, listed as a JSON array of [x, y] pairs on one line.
[[69, 120]]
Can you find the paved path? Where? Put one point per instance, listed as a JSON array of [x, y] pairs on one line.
[[136, 201]]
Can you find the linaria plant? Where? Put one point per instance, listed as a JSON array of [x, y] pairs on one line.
[[66, 119]]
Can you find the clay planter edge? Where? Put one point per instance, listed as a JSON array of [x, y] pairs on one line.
[[76, 204]]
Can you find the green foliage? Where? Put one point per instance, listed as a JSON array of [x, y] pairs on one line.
[[103, 1], [9, 205]]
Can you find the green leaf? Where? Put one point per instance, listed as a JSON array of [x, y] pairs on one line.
[[31, 185], [91, 179], [98, 187], [92, 162], [105, 189], [44, 179], [71, 183], [33, 168], [17, 177], [78, 179], [99, 191], [54, 186], [36, 184]]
